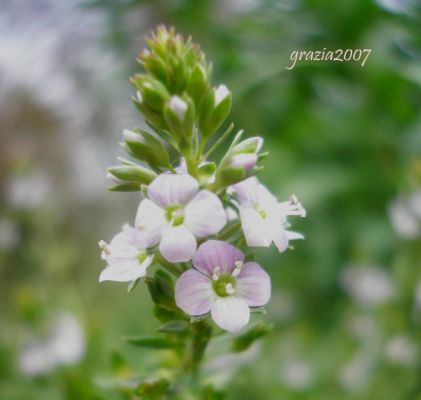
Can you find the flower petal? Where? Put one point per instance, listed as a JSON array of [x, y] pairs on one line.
[[230, 313], [205, 215], [291, 235], [253, 285], [216, 253], [125, 271], [247, 191], [256, 229], [150, 219], [177, 244], [169, 189], [280, 238], [245, 160], [193, 293], [267, 200]]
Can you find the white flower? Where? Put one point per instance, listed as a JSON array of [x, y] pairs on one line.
[[126, 256], [368, 286], [64, 345], [176, 213], [405, 215], [263, 219]]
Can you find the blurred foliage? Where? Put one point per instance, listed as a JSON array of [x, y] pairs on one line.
[[345, 139]]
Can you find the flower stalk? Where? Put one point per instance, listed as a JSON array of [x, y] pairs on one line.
[[191, 212]]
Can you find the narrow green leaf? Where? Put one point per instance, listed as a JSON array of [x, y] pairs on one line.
[[174, 326]]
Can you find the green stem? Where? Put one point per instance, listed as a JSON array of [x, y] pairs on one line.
[[230, 230], [168, 266]]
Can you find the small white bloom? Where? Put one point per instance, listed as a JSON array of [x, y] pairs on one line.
[[64, 345], [368, 286], [263, 219], [405, 215], [126, 256], [297, 374], [401, 350], [176, 213], [353, 375]]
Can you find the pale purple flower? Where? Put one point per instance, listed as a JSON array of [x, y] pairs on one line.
[[263, 219], [222, 284], [126, 256], [176, 213]]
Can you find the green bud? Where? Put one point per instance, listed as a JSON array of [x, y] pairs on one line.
[[198, 86], [131, 173], [222, 100], [144, 146], [180, 117], [231, 175], [250, 145], [246, 339], [153, 92], [161, 289]]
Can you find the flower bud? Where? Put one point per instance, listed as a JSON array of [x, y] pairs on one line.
[[222, 100], [144, 146], [251, 145], [179, 115], [220, 94], [244, 160], [129, 177], [179, 107]]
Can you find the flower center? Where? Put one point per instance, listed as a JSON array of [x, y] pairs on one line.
[[141, 256], [174, 214], [224, 285], [261, 211]]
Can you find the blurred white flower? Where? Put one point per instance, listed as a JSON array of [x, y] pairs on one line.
[[64, 345], [368, 286], [401, 350], [297, 374], [353, 375], [28, 191], [405, 215]]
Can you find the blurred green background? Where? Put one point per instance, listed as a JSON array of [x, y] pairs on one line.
[[345, 139]]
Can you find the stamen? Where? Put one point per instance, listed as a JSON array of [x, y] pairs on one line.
[[104, 247], [229, 288], [216, 273], [238, 265], [295, 207]]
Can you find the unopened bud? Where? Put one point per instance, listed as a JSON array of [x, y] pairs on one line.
[[178, 106], [220, 93]]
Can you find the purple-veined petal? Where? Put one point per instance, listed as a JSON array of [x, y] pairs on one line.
[[194, 293], [150, 219], [177, 244], [230, 313], [216, 253], [247, 191], [205, 215], [125, 271], [256, 229], [170, 189], [253, 285]]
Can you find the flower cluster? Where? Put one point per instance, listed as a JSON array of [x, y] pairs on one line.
[[195, 214]]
